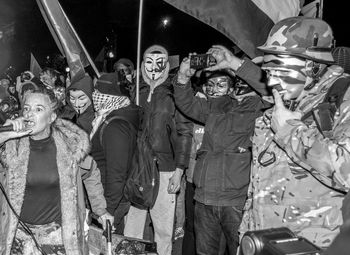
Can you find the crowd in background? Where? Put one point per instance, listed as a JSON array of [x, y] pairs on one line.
[[233, 155]]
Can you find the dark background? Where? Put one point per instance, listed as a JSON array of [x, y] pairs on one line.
[[96, 20]]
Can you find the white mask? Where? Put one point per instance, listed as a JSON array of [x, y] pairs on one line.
[[155, 65]]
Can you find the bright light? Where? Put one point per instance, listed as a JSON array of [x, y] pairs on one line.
[[110, 54], [165, 21]]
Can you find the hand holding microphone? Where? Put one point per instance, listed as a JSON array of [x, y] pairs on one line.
[[13, 129]]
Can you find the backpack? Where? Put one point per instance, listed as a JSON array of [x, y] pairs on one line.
[[142, 185]]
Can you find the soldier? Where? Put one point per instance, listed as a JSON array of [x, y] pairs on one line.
[[301, 150]]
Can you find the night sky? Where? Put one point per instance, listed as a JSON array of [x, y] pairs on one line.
[[95, 20]]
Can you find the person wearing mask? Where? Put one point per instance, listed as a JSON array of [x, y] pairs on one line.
[[80, 110], [221, 174], [206, 91], [79, 106], [170, 137], [113, 138]]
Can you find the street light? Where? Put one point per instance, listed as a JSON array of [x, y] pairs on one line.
[[165, 22]]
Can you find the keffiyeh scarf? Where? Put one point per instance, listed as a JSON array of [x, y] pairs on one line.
[[104, 104]]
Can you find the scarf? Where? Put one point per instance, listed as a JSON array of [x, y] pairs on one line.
[[104, 104]]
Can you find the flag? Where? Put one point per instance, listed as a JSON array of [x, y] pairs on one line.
[[66, 38], [34, 66], [279, 9], [244, 22], [313, 9]]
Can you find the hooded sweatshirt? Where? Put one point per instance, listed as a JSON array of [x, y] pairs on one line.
[[84, 119]]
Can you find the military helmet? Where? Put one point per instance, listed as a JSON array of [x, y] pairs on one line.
[[304, 37]]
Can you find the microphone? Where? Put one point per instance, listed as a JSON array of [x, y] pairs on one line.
[[6, 128]]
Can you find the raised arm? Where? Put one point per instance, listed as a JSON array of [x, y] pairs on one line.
[[244, 68], [329, 158]]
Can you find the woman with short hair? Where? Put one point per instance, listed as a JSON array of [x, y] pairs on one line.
[[42, 181]]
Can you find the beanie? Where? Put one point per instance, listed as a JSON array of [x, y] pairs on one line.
[[109, 83]]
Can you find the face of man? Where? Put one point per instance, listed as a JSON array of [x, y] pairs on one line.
[[217, 87], [48, 79], [286, 71], [127, 72], [79, 100], [155, 65]]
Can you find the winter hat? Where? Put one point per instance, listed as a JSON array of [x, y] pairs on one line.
[[216, 74], [109, 83], [85, 84], [125, 61]]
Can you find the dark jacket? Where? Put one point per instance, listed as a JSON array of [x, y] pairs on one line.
[[222, 170], [114, 155], [170, 131]]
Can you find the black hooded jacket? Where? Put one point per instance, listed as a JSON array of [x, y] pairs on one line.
[[84, 119], [170, 130], [113, 151]]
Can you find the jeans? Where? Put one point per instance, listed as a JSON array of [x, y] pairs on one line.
[[162, 215], [210, 222], [180, 205]]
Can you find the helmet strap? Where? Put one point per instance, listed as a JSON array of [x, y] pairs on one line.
[[314, 71]]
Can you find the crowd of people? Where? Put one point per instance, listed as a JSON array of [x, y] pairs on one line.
[[241, 145]]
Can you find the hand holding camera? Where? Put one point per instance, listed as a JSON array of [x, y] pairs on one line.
[[185, 71], [201, 61], [224, 59]]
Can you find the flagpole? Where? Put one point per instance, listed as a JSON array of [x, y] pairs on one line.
[[82, 45], [139, 53], [320, 11]]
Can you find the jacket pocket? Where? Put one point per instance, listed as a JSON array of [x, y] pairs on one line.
[[200, 168], [236, 170]]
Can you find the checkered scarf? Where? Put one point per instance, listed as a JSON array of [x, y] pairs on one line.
[[104, 104]]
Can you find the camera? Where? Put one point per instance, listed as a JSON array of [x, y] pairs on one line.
[[201, 61]]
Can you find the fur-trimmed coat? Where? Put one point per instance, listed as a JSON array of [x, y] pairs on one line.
[[72, 146]]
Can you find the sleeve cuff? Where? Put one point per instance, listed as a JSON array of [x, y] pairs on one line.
[[283, 134], [179, 84]]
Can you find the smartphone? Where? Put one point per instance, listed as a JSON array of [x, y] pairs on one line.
[[201, 61]]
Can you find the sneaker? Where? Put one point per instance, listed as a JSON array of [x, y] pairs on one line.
[[179, 233]]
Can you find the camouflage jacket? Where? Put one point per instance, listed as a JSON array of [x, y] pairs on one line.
[[283, 194]]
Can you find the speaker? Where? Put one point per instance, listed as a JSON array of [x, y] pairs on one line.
[[276, 241]]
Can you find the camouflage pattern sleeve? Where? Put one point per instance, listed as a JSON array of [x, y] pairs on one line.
[[3, 164], [328, 157]]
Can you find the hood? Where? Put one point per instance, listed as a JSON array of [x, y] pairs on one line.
[[85, 84]]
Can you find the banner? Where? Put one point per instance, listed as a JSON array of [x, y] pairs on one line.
[[34, 66], [245, 22], [66, 39], [239, 20]]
